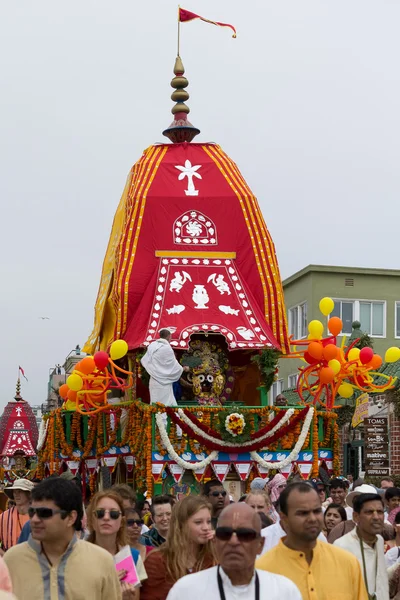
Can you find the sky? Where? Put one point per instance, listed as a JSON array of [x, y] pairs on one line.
[[305, 100]]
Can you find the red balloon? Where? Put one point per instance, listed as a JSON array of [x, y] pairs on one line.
[[330, 352], [63, 391], [310, 359], [326, 375], [366, 355], [315, 350], [327, 341], [101, 360]]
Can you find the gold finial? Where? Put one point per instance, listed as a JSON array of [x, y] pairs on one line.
[[18, 390], [180, 130]]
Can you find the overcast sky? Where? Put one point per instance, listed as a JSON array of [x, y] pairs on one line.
[[305, 100]]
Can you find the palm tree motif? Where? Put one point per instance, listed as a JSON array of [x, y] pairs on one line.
[[189, 171]]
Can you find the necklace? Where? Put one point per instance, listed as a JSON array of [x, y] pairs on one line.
[[370, 596], [221, 586]]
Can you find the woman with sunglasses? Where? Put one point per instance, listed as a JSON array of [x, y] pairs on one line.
[[134, 531], [108, 530], [188, 548]]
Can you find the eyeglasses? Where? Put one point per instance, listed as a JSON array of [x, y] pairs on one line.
[[243, 535], [131, 522], [101, 513], [216, 494], [45, 513]]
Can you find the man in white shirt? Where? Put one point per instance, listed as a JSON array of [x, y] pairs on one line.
[[367, 545], [238, 541], [163, 368]]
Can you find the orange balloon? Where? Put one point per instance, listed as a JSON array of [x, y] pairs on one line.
[[376, 361], [87, 365], [315, 350], [63, 391], [335, 325], [326, 375], [72, 395], [330, 352]]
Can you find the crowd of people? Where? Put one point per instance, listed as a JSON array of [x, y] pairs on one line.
[[297, 540]]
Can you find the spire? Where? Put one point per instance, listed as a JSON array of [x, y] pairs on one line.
[[18, 396], [180, 130]]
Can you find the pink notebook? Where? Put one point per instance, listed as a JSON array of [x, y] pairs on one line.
[[124, 560]]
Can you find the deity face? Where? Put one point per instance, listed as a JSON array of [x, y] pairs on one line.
[[20, 462]]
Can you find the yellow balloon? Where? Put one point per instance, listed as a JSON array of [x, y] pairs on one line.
[[118, 349], [69, 405], [326, 306], [334, 364], [392, 354], [75, 382], [354, 354], [345, 390], [316, 329]]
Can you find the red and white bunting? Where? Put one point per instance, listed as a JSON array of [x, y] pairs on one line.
[[129, 461], [243, 470], [73, 466], [305, 468], [91, 464], [199, 474], [263, 471], [176, 471], [157, 470], [110, 462], [221, 470]]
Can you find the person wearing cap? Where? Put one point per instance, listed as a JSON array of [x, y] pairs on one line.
[[366, 544], [319, 487], [13, 519], [163, 368]]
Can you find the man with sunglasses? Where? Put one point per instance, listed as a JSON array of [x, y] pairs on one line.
[[318, 569], [217, 497], [54, 564], [237, 542]]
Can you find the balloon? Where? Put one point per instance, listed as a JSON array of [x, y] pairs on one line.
[[376, 361], [72, 395], [366, 355], [315, 350], [354, 354], [75, 382], [335, 365], [326, 306], [345, 390], [118, 349], [330, 352], [335, 325], [316, 328], [310, 359], [87, 365], [392, 354], [101, 360], [70, 405], [78, 366], [63, 391], [326, 375]]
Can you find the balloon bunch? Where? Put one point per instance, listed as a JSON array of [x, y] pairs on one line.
[[332, 370], [86, 388]]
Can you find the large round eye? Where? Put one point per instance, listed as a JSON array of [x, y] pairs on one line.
[[201, 378], [189, 378], [210, 378]]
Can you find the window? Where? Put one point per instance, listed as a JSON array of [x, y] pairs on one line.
[[298, 321], [397, 320], [371, 314], [344, 309], [372, 318], [292, 381], [277, 388]]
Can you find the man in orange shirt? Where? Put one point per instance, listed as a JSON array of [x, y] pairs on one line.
[[13, 519]]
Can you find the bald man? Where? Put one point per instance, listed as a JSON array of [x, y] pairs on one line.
[[237, 541]]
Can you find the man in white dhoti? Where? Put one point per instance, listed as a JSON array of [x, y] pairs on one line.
[[163, 368]]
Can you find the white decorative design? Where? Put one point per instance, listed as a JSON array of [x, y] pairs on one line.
[[18, 410], [179, 281], [194, 228], [294, 453], [189, 171], [246, 334], [228, 310], [220, 283], [200, 296], [18, 425], [176, 309]]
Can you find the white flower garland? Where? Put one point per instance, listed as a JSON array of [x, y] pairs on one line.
[[294, 453], [42, 433], [201, 433], [170, 449]]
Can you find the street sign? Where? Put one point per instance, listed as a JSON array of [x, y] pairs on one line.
[[376, 446]]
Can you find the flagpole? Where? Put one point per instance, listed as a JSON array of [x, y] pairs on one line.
[[179, 28]]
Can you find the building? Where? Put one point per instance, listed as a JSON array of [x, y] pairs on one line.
[[369, 296]]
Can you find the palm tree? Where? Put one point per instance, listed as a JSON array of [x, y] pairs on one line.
[[189, 171]]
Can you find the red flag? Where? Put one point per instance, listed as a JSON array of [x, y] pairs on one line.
[[23, 372], [186, 15]]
